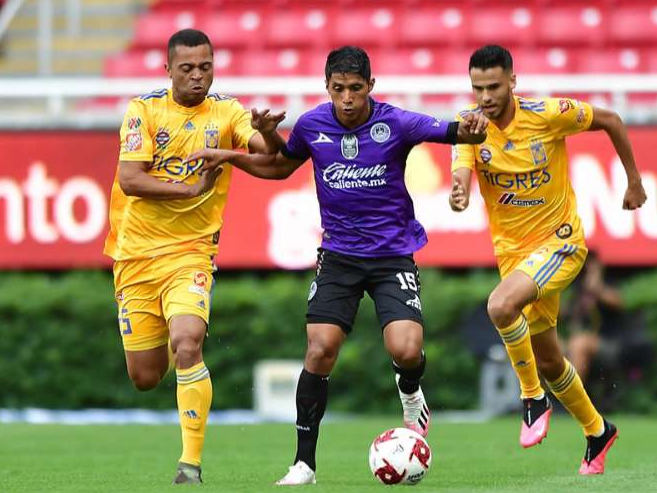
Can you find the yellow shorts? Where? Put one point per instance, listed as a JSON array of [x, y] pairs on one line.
[[149, 292], [553, 266]]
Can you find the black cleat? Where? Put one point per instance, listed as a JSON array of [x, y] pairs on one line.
[[596, 450], [187, 474]]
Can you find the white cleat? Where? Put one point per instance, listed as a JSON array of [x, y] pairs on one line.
[[298, 474], [417, 416]]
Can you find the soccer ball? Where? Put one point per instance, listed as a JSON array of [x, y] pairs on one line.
[[400, 456]]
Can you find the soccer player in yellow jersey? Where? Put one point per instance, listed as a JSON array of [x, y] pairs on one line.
[[522, 170], [165, 218]]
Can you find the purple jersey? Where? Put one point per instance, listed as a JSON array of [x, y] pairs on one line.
[[359, 173]]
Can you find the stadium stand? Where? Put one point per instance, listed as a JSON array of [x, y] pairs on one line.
[[411, 37]]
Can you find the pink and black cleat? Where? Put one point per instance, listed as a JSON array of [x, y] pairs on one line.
[[535, 421], [596, 450]]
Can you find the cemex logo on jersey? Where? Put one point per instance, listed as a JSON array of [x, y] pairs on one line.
[[509, 199]]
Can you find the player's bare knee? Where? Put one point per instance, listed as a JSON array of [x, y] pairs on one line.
[[409, 355], [502, 310], [320, 354], [188, 352], [144, 380]]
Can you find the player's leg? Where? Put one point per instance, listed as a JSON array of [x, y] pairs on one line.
[[332, 305], [142, 325], [404, 341], [186, 305], [324, 342], [505, 306], [394, 285], [582, 347]]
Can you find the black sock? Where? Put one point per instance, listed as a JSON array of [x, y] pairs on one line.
[[409, 378], [312, 394]]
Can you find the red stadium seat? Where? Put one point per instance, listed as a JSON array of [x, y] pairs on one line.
[[366, 26], [542, 61], [506, 25], [281, 62], [153, 30], [299, 26], [634, 22], [407, 61], [148, 63], [575, 23], [235, 27], [611, 61], [437, 24]]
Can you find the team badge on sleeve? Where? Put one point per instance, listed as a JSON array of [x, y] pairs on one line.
[[133, 141], [380, 132], [349, 146]]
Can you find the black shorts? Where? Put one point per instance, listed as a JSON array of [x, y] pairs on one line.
[[392, 282]]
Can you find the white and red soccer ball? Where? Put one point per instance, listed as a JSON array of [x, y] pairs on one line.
[[400, 456]]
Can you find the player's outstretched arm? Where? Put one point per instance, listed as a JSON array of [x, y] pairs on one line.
[[267, 140], [611, 123], [459, 199], [135, 181], [267, 166], [472, 130]]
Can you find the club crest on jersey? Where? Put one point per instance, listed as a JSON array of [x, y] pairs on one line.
[[539, 155], [212, 138], [349, 146], [162, 138], [485, 154], [380, 132]]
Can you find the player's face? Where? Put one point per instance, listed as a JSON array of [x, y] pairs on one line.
[[350, 94], [493, 90], [190, 69]]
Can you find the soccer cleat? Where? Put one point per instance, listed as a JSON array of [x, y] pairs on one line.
[[298, 474], [596, 450], [535, 421], [187, 474], [417, 416]]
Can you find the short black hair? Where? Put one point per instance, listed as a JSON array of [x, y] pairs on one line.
[[187, 37], [491, 56], [348, 60]]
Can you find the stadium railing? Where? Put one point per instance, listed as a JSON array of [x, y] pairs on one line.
[[78, 102]]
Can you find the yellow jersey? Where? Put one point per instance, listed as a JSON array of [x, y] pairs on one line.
[[523, 173], [163, 133]]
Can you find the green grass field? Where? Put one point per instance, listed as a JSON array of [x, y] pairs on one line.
[[467, 458]]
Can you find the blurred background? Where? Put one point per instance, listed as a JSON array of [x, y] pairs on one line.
[[67, 70]]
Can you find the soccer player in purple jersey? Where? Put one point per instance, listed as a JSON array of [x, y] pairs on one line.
[[358, 147]]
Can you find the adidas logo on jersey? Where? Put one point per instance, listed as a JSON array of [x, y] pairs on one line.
[[415, 303]]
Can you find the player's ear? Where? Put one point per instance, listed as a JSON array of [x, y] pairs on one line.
[[512, 81], [370, 85]]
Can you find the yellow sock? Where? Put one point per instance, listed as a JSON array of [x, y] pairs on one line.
[[568, 388], [519, 348], [194, 397]]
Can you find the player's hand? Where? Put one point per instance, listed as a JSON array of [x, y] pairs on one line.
[[635, 196], [211, 158], [264, 121], [458, 199], [472, 130], [206, 181]]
